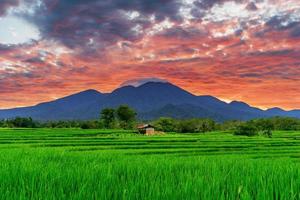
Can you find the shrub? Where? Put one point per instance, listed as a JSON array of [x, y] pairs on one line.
[[247, 129], [187, 126], [267, 133], [196, 125], [166, 124]]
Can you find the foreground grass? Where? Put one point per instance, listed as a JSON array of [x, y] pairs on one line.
[[93, 164]]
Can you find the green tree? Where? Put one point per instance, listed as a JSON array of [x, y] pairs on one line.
[[22, 122], [265, 126], [205, 125], [196, 125], [230, 125], [108, 118], [166, 124], [126, 116], [3, 123], [247, 128], [188, 126], [91, 124], [286, 123]]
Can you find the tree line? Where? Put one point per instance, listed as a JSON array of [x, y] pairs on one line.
[[253, 127], [28, 122], [124, 117]]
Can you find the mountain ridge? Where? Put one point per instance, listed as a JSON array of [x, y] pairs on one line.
[[151, 100]]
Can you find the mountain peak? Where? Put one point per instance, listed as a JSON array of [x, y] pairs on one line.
[[276, 109], [152, 83], [154, 88], [142, 81], [77, 97], [239, 104], [85, 93], [89, 91]]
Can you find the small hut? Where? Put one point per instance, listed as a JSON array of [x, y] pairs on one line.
[[146, 129]]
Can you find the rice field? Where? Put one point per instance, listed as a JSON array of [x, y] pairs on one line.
[[115, 164]]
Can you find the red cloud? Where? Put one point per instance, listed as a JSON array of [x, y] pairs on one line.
[[256, 61]]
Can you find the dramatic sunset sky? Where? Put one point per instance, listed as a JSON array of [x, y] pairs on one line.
[[246, 50]]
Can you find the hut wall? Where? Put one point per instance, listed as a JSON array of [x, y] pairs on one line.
[[150, 131]]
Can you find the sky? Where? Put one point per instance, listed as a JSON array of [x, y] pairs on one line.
[[245, 50]]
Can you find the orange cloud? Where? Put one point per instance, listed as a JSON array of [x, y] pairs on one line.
[[240, 56]]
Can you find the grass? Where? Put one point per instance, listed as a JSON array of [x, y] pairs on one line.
[[115, 164]]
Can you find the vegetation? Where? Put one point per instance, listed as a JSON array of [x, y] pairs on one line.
[[52, 160], [247, 128], [125, 118], [166, 124], [122, 117], [19, 122], [108, 118], [116, 164]]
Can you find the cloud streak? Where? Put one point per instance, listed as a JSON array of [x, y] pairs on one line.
[[235, 50]]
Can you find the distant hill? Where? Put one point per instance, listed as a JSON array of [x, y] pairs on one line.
[[151, 100]]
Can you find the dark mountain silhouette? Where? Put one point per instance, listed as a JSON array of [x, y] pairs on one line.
[[182, 111], [275, 111], [151, 100], [281, 112], [149, 96], [76, 106]]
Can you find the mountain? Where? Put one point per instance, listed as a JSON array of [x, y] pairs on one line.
[[182, 111], [276, 111], [244, 107], [151, 100], [76, 106], [281, 112], [149, 96]]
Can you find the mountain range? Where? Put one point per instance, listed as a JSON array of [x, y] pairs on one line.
[[151, 100]]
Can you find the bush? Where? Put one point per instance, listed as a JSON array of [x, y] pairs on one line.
[[286, 123], [267, 133], [230, 125], [187, 126], [247, 129], [196, 126], [165, 124], [20, 122]]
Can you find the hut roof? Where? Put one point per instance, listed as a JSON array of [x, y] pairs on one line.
[[143, 126]]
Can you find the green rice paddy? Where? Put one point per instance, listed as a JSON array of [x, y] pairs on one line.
[[112, 164]]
